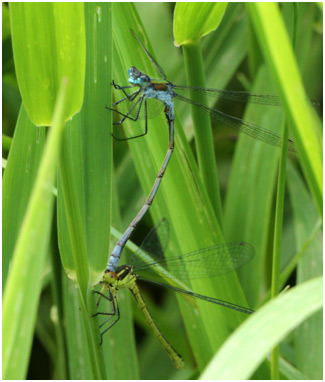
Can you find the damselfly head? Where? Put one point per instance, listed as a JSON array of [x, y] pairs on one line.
[[137, 78], [109, 277]]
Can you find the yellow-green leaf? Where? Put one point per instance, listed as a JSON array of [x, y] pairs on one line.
[[195, 20], [48, 41]]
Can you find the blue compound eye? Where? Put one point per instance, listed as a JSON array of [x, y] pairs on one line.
[[144, 79], [138, 78]]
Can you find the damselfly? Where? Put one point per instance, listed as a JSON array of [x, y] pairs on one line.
[[165, 91], [208, 262]]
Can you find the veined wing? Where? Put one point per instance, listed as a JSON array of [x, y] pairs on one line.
[[208, 262], [154, 244], [248, 128], [239, 96], [156, 65], [187, 294], [131, 108]]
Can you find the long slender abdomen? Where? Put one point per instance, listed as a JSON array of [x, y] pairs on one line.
[[117, 251], [174, 356]]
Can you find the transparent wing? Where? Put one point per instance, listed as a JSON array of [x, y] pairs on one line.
[[248, 128], [154, 244], [239, 96], [156, 65], [188, 293], [131, 108], [208, 262]]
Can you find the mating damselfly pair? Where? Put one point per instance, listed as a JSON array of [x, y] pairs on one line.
[[163, 90], [207, 262]]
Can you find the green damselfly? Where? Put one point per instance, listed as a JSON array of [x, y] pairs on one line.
[[208, 262]]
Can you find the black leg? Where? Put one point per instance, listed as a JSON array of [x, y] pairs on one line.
[[135, 119], [116, 310], [127, 139], [102, 295], [130, 97], [127, 115], [127, 96], [110, 315], [116, 86]]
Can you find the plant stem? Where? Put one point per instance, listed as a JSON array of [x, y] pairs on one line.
[[202, 126], [277, 243]]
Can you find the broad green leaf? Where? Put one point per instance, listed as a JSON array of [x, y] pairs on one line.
[[48, 42], [251, 343], [88, 155], [195, 20], [84, 185]]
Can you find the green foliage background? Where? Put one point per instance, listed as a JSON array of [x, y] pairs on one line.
[[240, 175]]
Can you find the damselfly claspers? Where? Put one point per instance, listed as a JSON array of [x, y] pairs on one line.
[[165, 91], [208, 262]]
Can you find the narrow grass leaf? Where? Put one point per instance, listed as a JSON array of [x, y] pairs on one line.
[[278, 52], [250, 192], [277, 239], [23, 287], [203, 137], [290, 372], [308, 336], [206, 16], [18, 181], [79, 361], [247, 347]]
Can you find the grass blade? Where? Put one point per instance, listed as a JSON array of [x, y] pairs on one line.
[[24, 282], [263, 330], [278, 52]]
